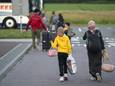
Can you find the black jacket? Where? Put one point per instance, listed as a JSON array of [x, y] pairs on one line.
[[101, 38]]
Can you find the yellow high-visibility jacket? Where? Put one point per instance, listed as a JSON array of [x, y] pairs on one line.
[[62, 44]]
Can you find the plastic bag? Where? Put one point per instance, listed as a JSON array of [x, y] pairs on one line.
[[71, 64]]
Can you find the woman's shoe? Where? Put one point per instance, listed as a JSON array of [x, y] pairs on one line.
[[99, 78]]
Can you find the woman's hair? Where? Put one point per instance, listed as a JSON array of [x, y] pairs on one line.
[[91, 22], [91, 25]]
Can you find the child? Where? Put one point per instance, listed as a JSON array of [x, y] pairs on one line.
[[63, 46]]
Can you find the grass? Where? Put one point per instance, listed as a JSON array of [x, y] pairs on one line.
[[13, 34], [82, 13], [84, 7], [77, 14]]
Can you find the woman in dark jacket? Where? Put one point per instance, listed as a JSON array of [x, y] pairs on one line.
[[94, 56]]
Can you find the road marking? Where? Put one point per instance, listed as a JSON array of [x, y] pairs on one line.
[[78, 41], [11, 51], [79, 29], [112, 44]]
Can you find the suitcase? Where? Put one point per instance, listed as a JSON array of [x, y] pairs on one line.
[[46, 41]]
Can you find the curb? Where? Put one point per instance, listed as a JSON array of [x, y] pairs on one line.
[[15, 40]]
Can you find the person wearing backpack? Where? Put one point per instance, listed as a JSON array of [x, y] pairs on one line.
[[37, 25], [95, 45]]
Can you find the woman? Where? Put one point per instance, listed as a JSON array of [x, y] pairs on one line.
[[95, 45], [63, 46]]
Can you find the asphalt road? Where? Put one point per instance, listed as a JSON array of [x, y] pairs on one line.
[[37, 69]]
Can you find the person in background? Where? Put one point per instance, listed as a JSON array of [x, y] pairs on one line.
[[63, 46], [37, 25], [60, 22], [95, 46], [68, 30], [53, 21], [45, 19]]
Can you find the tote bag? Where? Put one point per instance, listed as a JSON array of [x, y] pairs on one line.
[[52, 52], [107, 65]]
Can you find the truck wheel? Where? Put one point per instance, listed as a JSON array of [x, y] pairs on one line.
[[9, 23]]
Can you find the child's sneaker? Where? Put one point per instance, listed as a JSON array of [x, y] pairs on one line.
[[61, 79], [98, 77], [65, 77]]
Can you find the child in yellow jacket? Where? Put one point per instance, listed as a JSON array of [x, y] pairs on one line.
[[63, 46]]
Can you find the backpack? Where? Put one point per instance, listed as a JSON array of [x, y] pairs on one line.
[[94, 42]]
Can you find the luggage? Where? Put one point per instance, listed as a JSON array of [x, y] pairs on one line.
[[46, 41], [71, 64]]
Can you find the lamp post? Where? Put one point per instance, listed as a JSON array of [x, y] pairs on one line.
[[20, 5]]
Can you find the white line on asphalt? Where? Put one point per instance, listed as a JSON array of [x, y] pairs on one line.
[[10, 64], [10, 51], [112, 44], [79, 29]]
